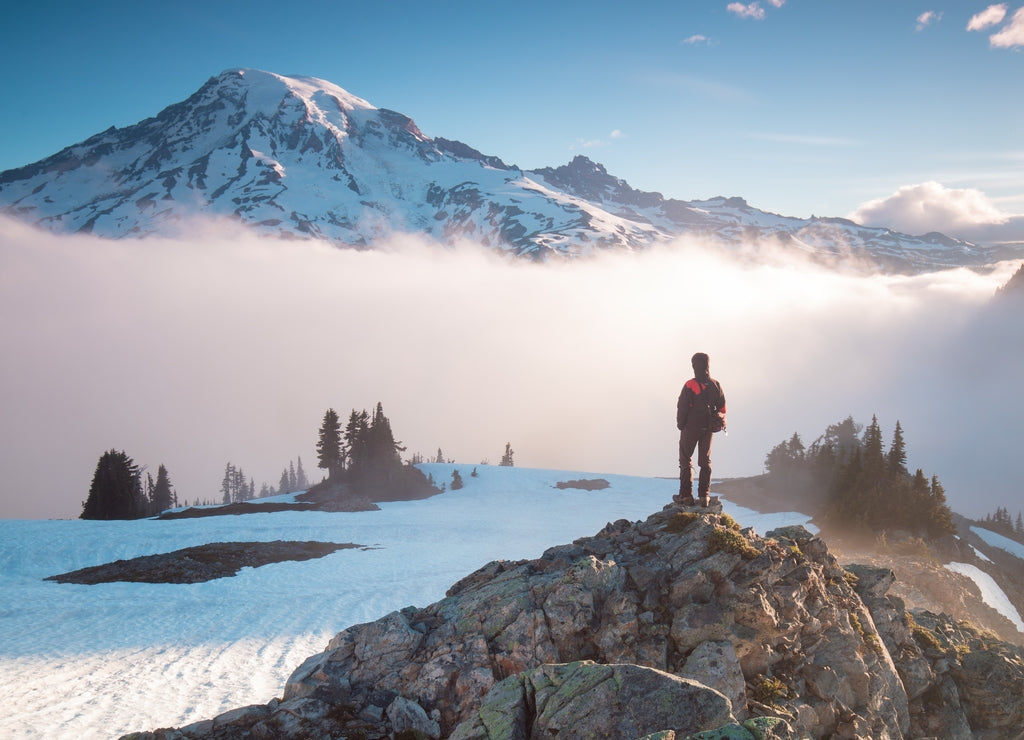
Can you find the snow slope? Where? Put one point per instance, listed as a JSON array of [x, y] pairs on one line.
[[99, 661], [991, 594]]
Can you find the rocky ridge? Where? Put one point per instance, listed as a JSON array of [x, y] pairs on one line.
[[683, 625]]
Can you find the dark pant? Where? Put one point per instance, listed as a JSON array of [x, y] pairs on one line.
[[688, 441]]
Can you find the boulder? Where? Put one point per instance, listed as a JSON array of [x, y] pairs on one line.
[[582, 700]]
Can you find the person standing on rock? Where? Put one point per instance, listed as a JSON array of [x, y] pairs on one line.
[[700, 413]]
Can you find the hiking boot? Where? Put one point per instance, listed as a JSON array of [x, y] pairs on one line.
[[684, 500]]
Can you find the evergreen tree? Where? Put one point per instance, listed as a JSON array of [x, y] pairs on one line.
[[897, 457], [843, 438], [456, 480], [356, 433], [161, 497], [786, 457], [227, 484], [939, 519], [283, 485], [874, 460], [328, 446], [506, 459], [116, 489], [301, 481]]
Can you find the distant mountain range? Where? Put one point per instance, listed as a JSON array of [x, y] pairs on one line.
[[301, 157]]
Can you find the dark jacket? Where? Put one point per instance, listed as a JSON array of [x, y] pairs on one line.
[[699, 398]]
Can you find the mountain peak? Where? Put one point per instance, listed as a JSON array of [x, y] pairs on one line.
[[265, 87], [299, 156]]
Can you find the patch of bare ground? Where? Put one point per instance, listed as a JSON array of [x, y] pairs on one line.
[[198, 564], [586, 484]]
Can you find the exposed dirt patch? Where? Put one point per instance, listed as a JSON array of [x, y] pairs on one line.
[[233, 509], [198, 564], [587, 484]]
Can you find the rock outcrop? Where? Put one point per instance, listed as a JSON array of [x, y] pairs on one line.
[[683, 625]]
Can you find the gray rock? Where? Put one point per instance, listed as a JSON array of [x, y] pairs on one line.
[[583, 700]]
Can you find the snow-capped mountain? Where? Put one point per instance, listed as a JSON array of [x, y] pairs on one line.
[[302, 157]]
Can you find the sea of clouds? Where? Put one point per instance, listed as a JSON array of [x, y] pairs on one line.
[[220, 346]]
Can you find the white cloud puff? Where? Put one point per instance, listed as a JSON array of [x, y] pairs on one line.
[[965, 213], [990, 16], [927, 18], [750, 10], [1012, 33]]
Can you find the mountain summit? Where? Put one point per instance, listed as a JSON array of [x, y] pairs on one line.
[[301, 157]]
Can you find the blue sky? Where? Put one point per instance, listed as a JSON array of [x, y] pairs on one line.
[[907, 112]]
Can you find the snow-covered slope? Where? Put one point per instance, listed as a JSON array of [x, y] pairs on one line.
[[97, 661], [301, 157]]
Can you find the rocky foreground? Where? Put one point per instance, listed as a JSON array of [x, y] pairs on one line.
[[680, 626]]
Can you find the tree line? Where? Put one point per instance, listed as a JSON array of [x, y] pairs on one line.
[[364, 456], [1002, 523], [865, 486], [118, 490]]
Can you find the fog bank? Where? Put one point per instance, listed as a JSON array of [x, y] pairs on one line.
[[226, 347]]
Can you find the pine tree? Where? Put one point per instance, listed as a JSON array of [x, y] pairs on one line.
[[283, 485], [939, 520], [227, 484], [116, 489], [356, 432], [456, 480], [161, 497], [328, 446], [897, 457], [874, 460], [506, 459], [301, 481]]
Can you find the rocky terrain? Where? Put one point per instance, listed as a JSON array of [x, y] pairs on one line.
[[198, 564], [922, 579], [682, 625]]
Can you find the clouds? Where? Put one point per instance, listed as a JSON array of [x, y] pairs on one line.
[[990, 16], [1010, 36], [227, 347], [966, 213], [752, 10], [614, 135], [927, 18]]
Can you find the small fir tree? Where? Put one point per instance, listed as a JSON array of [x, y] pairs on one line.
[[162, 496], [506, 459], [328, 446]]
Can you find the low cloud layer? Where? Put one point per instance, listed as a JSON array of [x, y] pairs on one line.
[[229, 348], [965, 213]]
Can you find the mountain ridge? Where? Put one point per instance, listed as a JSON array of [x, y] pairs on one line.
[[301, 157]]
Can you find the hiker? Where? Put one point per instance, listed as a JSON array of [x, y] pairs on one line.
[[700, 413]]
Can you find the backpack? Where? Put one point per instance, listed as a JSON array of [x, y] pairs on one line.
[[716, 417]]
